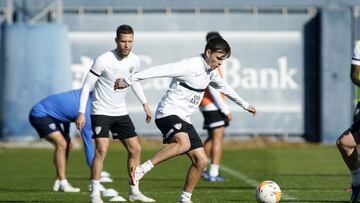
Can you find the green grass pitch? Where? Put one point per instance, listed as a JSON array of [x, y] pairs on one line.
[[305, 173]]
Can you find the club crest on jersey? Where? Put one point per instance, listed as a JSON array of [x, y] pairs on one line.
[[177, 126], [52, 126], [97, 129]]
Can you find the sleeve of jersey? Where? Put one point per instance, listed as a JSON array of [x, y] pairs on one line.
[[219, 84], [138, 91], [218, 100], [356, 54], [87, 87], [177, 69]]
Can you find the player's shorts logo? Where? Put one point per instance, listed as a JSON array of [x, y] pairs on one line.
[[97, 129], [52, 126], [177, 126]]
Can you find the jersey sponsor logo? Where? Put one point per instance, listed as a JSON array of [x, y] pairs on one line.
[[97, 129], [177, 126], [52, 126]]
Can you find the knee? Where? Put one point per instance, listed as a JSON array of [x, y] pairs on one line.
[[201, 163], [184, 146], [61, 145], [346, 140], [135, 151], [339, 142], [101, 151]]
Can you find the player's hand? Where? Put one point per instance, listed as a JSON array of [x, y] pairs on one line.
[[120, 84], [251, 109], [80, 121], [148, 113], [229, 116]]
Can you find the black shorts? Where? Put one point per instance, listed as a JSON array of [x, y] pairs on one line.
[[46, 125], [121, 127], [170, 125], [214, 119]]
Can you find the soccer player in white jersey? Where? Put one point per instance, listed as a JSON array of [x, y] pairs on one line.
[[348, 142], [190, 77], [108, 108]]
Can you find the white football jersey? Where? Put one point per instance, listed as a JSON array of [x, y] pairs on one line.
[[356, 54], [190, 77], [103, 74]]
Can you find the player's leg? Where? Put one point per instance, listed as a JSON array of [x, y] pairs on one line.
[[347, 144], [60, 144], [100, 125], [179, 144], [216, 153], [101, 147], [177, 140], [208, 143], [50, 129], [133, 147], [198, 162], [198, 159], [215, 122]]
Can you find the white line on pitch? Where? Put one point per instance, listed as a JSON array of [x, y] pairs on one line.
[[249, 180]]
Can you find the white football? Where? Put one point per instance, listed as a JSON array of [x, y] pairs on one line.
[[268, 192]]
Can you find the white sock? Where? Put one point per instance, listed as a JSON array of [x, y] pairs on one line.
[[134, 189], [185, 196], [214, 170], [355, 174], [146, 166], [95, 186]]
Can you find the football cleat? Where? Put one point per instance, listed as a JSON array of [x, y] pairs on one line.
[[68, 188], [56, 186], [209, 178], [140, 197], [117, 199], [96, 198]]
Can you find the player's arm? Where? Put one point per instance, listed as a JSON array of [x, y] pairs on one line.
[[177, 69], [219, 101], [218, 83], [88, 85], [138, 91]]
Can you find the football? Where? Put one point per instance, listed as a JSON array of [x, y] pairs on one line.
[[268, 192]]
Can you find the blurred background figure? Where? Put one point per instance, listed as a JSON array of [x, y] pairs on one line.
[[51, 117], [216, 117]]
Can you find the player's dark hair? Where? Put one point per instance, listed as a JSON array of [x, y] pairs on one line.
[[218, 44], [212, 34], [124, 29]]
